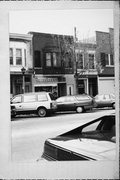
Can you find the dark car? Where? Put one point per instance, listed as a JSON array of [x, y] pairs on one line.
[[13, 111], [104, 100], [92, 141], [78, 103]]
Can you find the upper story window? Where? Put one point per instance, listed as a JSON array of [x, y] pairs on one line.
[[48, 59], [53, 59], [80, 61], [18, 56], [107, 59], [68, 60], [11, 56], [37, 58], [25, 56], [110, 61], [91, 61]]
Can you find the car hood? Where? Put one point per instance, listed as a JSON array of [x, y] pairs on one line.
[[92, 148]]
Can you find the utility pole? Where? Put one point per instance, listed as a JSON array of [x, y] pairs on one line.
[[75, 58]]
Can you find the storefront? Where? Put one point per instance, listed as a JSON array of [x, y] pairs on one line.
[[16, 83], [88, 85], [49, 84]]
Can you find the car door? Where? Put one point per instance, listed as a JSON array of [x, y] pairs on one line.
[[108, 101], [70, 103], [17, 103], [99, 100], [60, 103], [29, 102], [66, 103]]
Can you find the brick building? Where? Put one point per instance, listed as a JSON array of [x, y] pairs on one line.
[[105, 59], [53, 61], [86, 68]]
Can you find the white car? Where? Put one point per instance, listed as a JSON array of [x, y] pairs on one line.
[[39, 103], [93, 141]]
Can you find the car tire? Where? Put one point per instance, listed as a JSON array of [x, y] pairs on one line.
[[79, 109], [113, 106], [42, 112]]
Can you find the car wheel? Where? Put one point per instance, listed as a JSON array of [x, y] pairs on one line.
[[79, 109], [113, 106], [42, 112]]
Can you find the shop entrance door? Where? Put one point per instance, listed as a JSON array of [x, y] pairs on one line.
[[61, 89]]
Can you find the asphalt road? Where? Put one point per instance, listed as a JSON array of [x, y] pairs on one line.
[[30, 132]]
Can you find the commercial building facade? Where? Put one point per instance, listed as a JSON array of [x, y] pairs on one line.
[[20, 56], [53, 61], [56, 63], [105, 59], [86, 68]]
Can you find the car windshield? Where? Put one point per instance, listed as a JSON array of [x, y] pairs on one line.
[[52, 96], [104, 129]]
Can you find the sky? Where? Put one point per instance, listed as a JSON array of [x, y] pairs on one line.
[[86, 21]]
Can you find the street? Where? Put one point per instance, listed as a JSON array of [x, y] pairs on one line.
[[30, 132]]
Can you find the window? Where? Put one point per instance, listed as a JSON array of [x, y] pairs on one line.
[[107, 59], [111, 60], [80, 98], [99, 97], [17, 99], [69, 99], [25, 56], [42, 97], [91, 127], [37, 58], [80, 61], [31, 98], [107, 96], [11, 56], [48, 59], [91, 61], [18, 56], [54, 59], [68, 61]]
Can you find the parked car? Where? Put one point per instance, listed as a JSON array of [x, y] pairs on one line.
[[92, 141], [39, 103], [78, 103], [104, 100], [13, 111]]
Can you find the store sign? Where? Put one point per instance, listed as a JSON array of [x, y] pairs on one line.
[[45, 80]]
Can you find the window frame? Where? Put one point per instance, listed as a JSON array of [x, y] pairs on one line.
[[19, 58], [110, 60], [48, 59], [78, 60], [93, 63], [11, 56]]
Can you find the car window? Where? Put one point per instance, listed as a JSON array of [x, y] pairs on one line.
[[61, 99], [17, 99], [82, 98], [29, 98], [69, 99], [99, 97], [107, 97], [52, 97], [91, 127], [42, 97], [112, 96]]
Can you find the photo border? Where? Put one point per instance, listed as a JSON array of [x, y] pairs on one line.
[[49, 170]]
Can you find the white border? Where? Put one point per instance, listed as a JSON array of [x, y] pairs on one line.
[[49, 170]]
